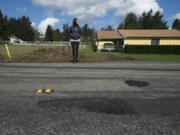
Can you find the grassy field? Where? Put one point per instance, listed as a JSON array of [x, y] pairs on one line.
[[153, 57], [40, 54], [19, 50], [123, 56]]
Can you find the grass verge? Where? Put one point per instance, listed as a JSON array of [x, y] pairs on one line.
[[47, 54]]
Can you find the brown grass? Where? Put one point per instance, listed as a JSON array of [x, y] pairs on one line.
[[50, 55], [58, 54]]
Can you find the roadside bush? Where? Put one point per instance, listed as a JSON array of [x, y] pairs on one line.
[[152, 49], [59, 50], [94, 46]]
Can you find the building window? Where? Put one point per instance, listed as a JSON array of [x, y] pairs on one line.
[[155, 41]]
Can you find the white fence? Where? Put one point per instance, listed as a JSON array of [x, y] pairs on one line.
[[52, 43]]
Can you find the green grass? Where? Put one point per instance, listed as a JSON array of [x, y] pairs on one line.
[[152, 57], [19, 49], [47, 54]]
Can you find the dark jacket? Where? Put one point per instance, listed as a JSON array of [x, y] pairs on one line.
[[74, 32]]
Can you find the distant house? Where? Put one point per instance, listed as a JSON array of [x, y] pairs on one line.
[[124, 37], [14, 39]]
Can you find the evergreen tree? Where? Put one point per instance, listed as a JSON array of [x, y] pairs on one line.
[[88, 34], [176, 24], [150, 21], [146, 20], [65, 32], [121, 26], [1, 25], [12, 26], [25, 30], [6, 29], [158, 22], [36, 35], [108, 27], [85, 32], [131, 22], [56, 35], [91, 34], [21, 28], [49, 33]]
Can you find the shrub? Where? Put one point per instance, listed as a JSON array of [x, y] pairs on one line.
[[94, 46], [153, 49]]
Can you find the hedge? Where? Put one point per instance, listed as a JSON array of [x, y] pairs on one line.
[[152, 49]]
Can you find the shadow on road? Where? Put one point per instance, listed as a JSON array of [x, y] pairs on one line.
[[109, 106], [160, 106]]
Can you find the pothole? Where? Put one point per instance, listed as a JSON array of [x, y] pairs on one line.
[[108, 106], [136, 83]]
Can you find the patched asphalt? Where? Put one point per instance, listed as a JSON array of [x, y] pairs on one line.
[[133, 98]]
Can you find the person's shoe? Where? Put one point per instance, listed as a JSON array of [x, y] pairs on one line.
[[73, 61], [77, 60]]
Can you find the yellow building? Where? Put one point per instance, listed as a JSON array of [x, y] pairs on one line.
[[124, 37]]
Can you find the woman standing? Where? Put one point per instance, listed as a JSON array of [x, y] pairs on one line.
[[75, 32]]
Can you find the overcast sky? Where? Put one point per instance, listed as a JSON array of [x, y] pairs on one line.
[[97, 13]]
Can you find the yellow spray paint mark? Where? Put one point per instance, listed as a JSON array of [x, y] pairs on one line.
[[48, 91], [7, 49], [39, 91]]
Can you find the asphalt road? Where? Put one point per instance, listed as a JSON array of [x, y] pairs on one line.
[[90, 99]]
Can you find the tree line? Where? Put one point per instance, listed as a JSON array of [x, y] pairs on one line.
[[88, 34], [148, 20], [22, 27]]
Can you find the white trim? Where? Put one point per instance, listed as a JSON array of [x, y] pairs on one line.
[[124, 45]]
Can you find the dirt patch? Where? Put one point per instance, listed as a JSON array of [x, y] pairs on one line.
[[55, 51], [4, 59], [51, 54], [114, 58], [117, 58], [55, 54], [108, 106], [59, 54], [85, 57]]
